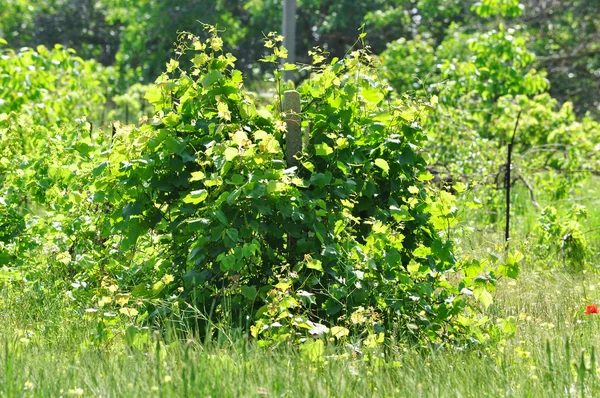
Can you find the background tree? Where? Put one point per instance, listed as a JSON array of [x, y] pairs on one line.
[[137, 35], [78, 24]]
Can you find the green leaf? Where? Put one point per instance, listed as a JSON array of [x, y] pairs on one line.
[[158, 287], [132, 209], [400, 214], [237, 179], [407, 156], [422, 251], [230, 154], [172, 65], [335, 101], [84, 148], [141, 290], [314, 264], [382, 164], [320, 232], [313, 350], [321, 180], [332, 306], [425, 176], [233, 234], [154, 95], [483, 296], [509, 326], [196, 197], [309, 166], [511, 268], [221, 217], [195, 278], [99, 169], [210, 78], [228, 262], [234, 195], [323, 150], [200, 59], [265, 114], [174, 145], [249, 292], [132, 233], [372, 95], [197, 176], [172, 119], [339, 332]]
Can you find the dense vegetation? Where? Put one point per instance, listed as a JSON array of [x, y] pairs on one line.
[[137, 35], [148, 206]]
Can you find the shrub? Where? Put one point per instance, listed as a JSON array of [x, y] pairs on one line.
[[351, 241], [51, 86], [49, 232]]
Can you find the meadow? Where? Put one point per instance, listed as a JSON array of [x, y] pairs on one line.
[[405, 202]]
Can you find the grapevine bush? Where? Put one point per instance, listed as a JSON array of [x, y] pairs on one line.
[[52, 237], [350, 242], [41, 166], [51, 86]]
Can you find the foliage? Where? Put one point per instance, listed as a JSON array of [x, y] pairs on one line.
[[49, 231], [50, 86], [564, 235], [489, 94], [350, 241], [45, 158], [568, 45], [135, 35], [78, 24], [121, 241], [146, 41], [130, 105], [197, 207]]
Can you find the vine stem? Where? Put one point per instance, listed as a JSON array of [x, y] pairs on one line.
[[508, 182]]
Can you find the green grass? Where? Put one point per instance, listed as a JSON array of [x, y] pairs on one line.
[[48, 349], [542, 359]]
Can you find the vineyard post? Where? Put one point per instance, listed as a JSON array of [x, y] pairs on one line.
[[293, 141], [293, 137]]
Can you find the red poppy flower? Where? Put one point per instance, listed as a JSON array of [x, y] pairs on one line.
[[591, 309]]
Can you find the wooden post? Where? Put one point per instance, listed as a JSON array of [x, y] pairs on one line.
[[293, 137], [293, 145], [289, 33]]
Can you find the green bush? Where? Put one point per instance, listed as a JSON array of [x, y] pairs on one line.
[[351, 241], [51, 86], [48, 152]]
